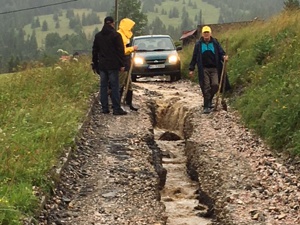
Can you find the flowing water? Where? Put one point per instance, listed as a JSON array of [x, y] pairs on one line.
[[180, 192]]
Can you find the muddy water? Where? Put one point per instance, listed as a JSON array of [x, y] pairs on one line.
[[179, 194]]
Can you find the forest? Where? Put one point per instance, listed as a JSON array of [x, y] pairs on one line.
[[20, 48]]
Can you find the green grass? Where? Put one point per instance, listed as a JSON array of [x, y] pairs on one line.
[[210, 14], [185, 58], [264, 71], [64, 26], [41, 109]]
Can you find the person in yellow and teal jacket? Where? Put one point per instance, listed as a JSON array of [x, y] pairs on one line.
[[209, 57], [125, 29]]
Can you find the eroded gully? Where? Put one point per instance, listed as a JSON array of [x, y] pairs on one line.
[[170, 164], [180, 193]]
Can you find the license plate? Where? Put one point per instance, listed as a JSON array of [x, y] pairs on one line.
[[157, 66]]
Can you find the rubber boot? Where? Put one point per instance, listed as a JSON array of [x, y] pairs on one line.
[[206, 109], [129, 100], [211, 104]]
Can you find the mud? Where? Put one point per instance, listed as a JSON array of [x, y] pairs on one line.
[[170, 164]]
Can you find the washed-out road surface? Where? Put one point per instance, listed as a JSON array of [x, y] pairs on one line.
[[169, 164]]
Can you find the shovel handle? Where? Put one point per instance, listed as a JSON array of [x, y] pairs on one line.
[[128, 77], [220, 84], [222, 78]]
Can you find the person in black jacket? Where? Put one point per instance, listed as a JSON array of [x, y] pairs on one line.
[[209, 57], [108, 60]]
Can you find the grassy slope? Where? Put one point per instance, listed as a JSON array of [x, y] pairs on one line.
[[36, 125], [263, 67], [64, 26], [210, 15], [209, 12], [264, 70]]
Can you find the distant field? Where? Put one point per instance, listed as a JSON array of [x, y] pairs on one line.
[[64, 26], [210, 15]]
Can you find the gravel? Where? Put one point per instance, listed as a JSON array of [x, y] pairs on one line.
[[114, 174]]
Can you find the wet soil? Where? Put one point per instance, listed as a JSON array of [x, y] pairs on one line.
[[180, 193], [170, 164]]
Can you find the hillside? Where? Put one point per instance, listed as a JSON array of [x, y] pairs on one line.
[[37, 127], [194, 9], [199, 12], [265, 78], [64, 27], [34, 30]]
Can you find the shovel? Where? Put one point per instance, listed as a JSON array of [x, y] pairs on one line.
[[128, 78], [223, 102], [222, 85]]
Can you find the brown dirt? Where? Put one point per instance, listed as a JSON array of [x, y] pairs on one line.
[[115, 173]]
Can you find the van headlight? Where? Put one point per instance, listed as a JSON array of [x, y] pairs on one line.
[[173, 59], [138, 61]]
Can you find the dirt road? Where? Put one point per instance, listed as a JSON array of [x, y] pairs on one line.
[[170, 164]]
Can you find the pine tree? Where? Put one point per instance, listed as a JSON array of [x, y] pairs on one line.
[[57, 25], [37, 22], [45, 26], [55, 17], [291, 4], [132, 9]]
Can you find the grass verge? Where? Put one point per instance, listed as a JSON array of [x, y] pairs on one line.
[[41, 110], [264, 72]]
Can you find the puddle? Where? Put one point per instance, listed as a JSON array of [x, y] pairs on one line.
[[180, 192]]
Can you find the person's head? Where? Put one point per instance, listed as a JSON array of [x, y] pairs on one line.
[[126, 25], [109, 21], [206, 33]]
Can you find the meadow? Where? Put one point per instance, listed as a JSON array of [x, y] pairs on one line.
[[264, 72], [209, 13], [64, 26], [41, 110], [42, 107]]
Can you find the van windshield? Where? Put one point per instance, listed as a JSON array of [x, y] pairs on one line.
[[154, 44]]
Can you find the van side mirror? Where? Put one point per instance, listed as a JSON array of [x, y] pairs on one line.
[[178, 48]]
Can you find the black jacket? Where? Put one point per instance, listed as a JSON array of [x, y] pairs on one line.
[[108, 49]]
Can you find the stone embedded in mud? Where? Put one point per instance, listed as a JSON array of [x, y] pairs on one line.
[[168, 154], [169, 136], [227, 158], [110, 194]]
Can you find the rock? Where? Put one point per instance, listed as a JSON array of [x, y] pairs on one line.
[[169, 136], [115, 173], [110, 194]]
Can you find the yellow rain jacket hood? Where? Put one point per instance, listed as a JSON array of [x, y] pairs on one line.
[[125, 29]]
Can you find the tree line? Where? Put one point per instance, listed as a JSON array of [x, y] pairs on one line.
[[17, 47]]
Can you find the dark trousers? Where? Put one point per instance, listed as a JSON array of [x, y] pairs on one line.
[[210, 84], [110, 79]]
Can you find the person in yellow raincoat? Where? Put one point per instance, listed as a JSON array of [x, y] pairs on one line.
[[125, 29]]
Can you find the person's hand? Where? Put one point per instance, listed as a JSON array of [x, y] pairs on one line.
[[135, 47], [191, 74], [225, 57], [122, 69]]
